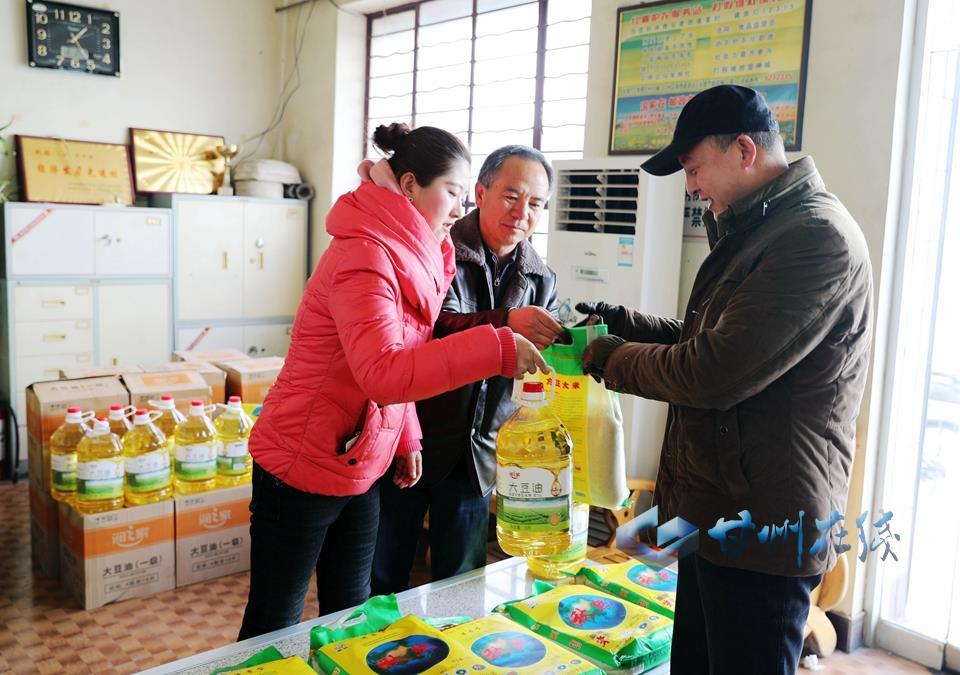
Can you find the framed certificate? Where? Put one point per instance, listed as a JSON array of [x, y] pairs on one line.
[[73, 172], [171, 161], [669, 51]]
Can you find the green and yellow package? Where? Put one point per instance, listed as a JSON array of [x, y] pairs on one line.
[[293, 665], [509, 647], [408, 645], [605, 629], [635, 582]]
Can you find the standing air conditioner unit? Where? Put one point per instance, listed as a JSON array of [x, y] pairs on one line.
[[615, 235]]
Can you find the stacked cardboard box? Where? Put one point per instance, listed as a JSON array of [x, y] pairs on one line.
[[184, 386], [212, 375], [213, 534], [251, 379]]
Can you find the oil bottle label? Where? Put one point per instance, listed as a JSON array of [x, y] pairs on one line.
[[64, 470], [235, 449], [579, 527], [196, 462], [149, 472], [533, 499], [100, 479]]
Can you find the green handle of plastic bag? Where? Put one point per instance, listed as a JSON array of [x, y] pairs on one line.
[[566, 359], [378, 612], [267, 655]]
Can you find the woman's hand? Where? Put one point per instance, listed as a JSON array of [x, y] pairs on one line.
[[528, 358], [407, 469]]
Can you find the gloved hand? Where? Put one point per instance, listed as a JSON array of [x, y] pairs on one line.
[[615, 316], [597, 353]]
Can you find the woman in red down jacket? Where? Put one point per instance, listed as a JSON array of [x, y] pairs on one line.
[[361, 353]]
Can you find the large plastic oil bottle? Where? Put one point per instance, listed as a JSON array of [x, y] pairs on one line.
[[169, 418], [146, 461], [99, 470], [63, 455], [234, 464], [119, 418], [534, 479], [195, 449]]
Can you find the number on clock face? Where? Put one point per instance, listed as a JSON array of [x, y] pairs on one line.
[[70, 37]]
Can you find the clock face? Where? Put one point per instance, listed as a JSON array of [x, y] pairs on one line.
[[70, 37]]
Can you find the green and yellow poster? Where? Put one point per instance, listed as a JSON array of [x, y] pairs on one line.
[[669, 51]]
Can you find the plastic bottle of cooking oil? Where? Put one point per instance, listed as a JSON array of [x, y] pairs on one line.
[[119, 418], [63, 455], [234, 464], [147, 461], [99, 470], [169, 419], [534, 479], [195, 449], [557, 566]]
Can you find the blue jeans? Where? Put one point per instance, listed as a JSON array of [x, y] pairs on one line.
[[459, 517], [731, 621], [294, 534]]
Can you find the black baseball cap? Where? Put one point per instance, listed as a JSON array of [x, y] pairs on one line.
[[724, 109]]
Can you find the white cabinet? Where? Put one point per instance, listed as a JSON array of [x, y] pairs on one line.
[[83, 287], [133, 324], [240, 271]]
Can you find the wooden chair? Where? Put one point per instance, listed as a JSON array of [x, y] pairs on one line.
[[604, 551]]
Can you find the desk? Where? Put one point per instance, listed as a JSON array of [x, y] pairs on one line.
[[473, 594]]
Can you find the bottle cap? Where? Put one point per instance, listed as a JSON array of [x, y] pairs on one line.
[[197, 407], [533, 391], [74, 416], [142, 417], [100, 426]]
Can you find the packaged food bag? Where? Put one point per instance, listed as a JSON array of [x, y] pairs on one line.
[[609, 631], [292, 665], [635, 582], [509, 647], [267, 655], [592, 415], [379, 643]]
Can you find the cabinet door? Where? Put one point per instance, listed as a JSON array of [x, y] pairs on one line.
[[275, 259], [209, 250], [44, 338], [50, 240], [133, 324], [267, 340], [133, 244], [217, 337]]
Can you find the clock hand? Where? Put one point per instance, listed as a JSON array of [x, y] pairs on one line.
[[77, 36]]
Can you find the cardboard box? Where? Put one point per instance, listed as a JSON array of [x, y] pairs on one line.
[[215, 377], [251, 379], [81, 373], [210, 356], [183, 385], [117, 555], [213, 534], [44, 531], [47, 404]]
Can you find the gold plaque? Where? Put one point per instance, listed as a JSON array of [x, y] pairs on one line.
[[167, 161], [73, 172]]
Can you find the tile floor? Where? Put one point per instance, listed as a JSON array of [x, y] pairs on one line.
[[43, 631]]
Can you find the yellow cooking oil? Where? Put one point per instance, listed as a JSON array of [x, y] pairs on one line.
[[169, 418], [233, 425], [561, 565], [63, 455], [195, 452], [99, 470], [146, 461], [534, 478]]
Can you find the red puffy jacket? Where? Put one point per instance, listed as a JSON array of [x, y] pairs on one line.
[[361, 350]]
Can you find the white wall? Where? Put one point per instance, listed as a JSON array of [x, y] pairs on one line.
[[208, 67], [853, 107]]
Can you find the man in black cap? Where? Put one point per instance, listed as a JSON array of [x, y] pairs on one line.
[[764, 377]]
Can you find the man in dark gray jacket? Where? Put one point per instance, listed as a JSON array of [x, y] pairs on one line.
[[502, 281], [764, 377]]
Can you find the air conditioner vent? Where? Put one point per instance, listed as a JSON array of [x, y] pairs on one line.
[[601, 200]]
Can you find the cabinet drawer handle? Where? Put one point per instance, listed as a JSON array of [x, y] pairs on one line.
[[260, 256], [55, 337], [51, 304], [226, 259], [51, 372]]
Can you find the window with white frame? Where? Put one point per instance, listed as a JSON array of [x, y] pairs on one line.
[[494, 72]]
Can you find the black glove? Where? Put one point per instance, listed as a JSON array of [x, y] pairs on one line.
[[615, 316], [598, 352]]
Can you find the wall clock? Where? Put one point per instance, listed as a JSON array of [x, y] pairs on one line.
[[71, 37]]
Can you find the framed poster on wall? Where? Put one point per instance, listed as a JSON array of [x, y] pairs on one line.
[[668, 51], [73, 172]]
